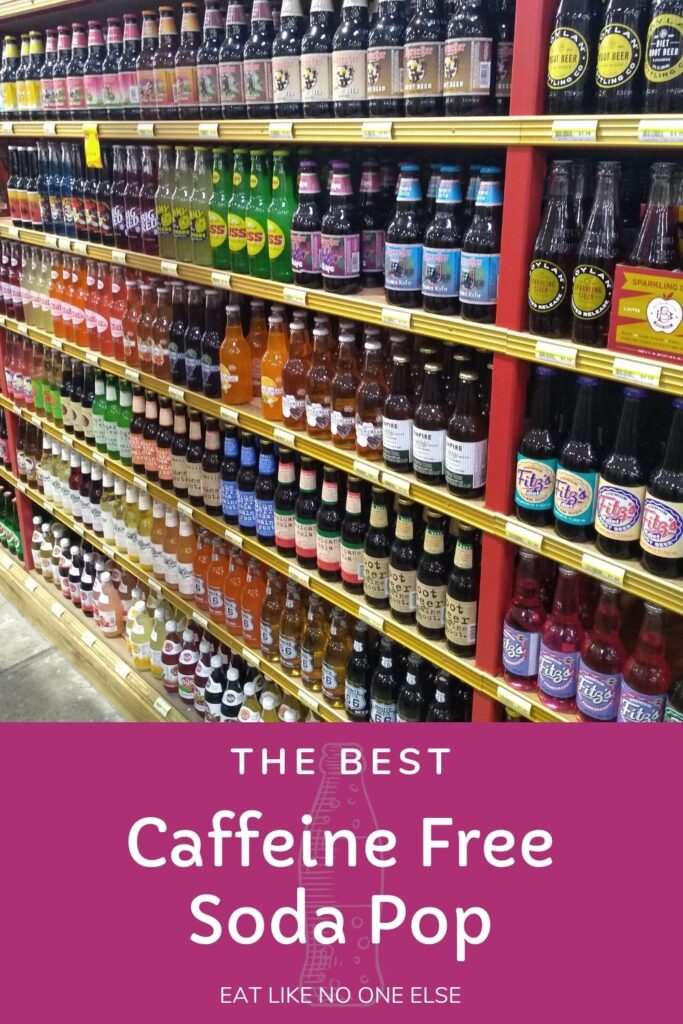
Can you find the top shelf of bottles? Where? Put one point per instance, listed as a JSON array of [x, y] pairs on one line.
[[629, 130]]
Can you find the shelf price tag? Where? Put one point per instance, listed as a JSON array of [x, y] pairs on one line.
[[233, 537], [377, 131], [220, 279], [109, 552], [668, 129], [208, 129], [81, 248], [177, 393], [294, 296], [51, 241], [523, 535], [57, 343], [373, 619], [298, 575], [13, 231], [185, 509], [97, 457], [93, 357], [281, 129], [8, 127], [131, 374], [639, 371], [308, 699], [555, 353], [49, 127], [49, 508], [169, 267], [7, 563], [201, 620], [57, 609], [30, 584], [119, 256], [366, 471], [140, 482], [251, 658], [231, 415], [396, 318], [64, 244], [36, 420], [396, 482], [146, 129], [609, 572], [513, 700], [162, 707], [284, 436], [21, 329], [122, 669], [88, 638], [154, 585], [575, 129], [77, 528]]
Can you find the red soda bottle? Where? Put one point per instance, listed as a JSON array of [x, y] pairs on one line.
[[647, 676], [170, 656], [558, 661], [104, 340], [187, 663], [113, 309], [601, 662], [91, 305], [118, 187], [202, 671], [523, 624]]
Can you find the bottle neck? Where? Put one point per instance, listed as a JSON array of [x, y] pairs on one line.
[[583, 425], [627, 435], [431, 390], [607, 620], [673, 456]]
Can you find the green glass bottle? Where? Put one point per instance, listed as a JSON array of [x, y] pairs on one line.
[[257, 214], [111, 417], [218, 208], [199, 208], [99, 407], [237, 211], [181, 204], [123, 418], [280, 213]]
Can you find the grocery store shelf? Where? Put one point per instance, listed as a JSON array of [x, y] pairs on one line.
[[15, 8], [592, 131], [254, 658], [434, 652], [106, 663], [370, 307]]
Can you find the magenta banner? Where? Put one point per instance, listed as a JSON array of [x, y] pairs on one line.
[[473, 874]]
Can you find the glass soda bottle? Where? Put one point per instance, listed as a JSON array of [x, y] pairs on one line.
[[523, 625], [578, 467], [596, 258], [562, 637], [313, 643], [316, 60], [646, 676], [662, 533], [621, 485], [443, 246], [272, 367], [279, 219], [571, 58], [207, 62], [237, 211], [340, 236], [423, 61], [305, 234], [163, 66], [552, 259], [185, 85], [480, 260], [403, 242], [199, 208], [218, 208], [128, 76], [537, 453], [230, 70], [285, 61], [469, 60], [349, 60], [335, 655], [601, 661], [258, 52]]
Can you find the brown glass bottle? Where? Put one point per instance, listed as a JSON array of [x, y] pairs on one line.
[[344, 387], [353, 531], [462, 598], [164, 442], [376, 551], [403, 559], [432, 579], [597, 255], [397, 421], [657, 243], [370, 399], [552, 259], [429, 431], [467, 441]]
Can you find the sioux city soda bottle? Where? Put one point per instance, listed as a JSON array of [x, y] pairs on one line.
[[523, 625], [646, 676], [561, 641], [601, 661]]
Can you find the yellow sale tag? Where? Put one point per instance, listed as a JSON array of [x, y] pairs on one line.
[[377, 130], [523, 535], [93, 153], [555, 352], [396, 318]]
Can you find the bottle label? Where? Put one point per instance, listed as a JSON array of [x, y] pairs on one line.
[[111, 90], [286, 80], [328, 551], [128, 81], [293, 409], [381, 712], [479, 278], [372, 251], [441, 272], [237, 232], [355, 698], [503, 86], [349, 76], [368, 434], [376, 577], [664, 48], [385, 73], [93, 90], [231, 83], [461, 622], [231, 611], [640, 707], [330, 679], [215, 599], [567, 58], [397, 441], [258, 82], [662, 528], [431, 605], [467, 67], [558, 672], [199, 225], [185, 87], [316, 77], [597, 693], [285, 530], [305, 539], [591, 292], [403, 266], [207, 84], [146, 90], [466, 463], [182, 220], [340, 255], [218, 229], [575, 496], [123, 445], [352, 563], [520, 651], [289, 648], [164, 82], [671, 714], [246, 508], [317, 415], [535, 482], [180, 475], [619, 511], [423, 69], [619, 55], [306, 252], [229, 502], [547, 286], [429, 451], [265, 518], [276, 240], [256, 236], [211, 489], [402, 590], [75, 93]]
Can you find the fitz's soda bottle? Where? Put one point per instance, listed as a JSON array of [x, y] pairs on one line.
[[523, 624], [601, 662], [558, 661], [537, 454], [577, 472], [621, 487], [647, 676], [662, 536]]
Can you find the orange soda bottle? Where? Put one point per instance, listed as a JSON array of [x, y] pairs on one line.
[[274, 359], [202, 559], [215, 579], [157, 538], [257, 339], [112, 310], [235, 361], [187, 549], [253, 596], [80, 302], [66, 296], [130, 322], [232, 592]]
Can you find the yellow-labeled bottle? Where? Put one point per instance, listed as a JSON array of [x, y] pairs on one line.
[[145, 531], [156, 641], [130, 519], [140, 635]]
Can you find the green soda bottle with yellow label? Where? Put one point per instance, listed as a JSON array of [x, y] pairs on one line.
[[218, 208], [237, 212], [257, 214], [199, 208], [280, 213]]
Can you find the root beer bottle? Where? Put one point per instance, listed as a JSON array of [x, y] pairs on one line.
[[619, 61], [571, 58], [552, 260]]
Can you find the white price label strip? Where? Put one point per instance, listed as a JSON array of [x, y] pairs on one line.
[[603, 570], [7, 128], [49, 128], [48, 507], [281, 130], [21, 329], [555, 353], [637, 370], [7, 563], [122, 669], [162, 707], [208, 129], [660, 130], [146, 129], [177, 393], [64, 243], [77, 528], [231, 415], [377, 130], [514, 701], [373, 619], [132, 374], [109, 552], [51, 241], [13, 232], [233, 537], [98, 457], [57, 609], [118, 256], [154, 585], [201, 620], [307, 699], [185, 510], [140, 482], [88, 638], [396, 482], [294, 296], [397, 318], [220, 279], [30, 584], [524, 535], [169, 267], [251, 658], [298, 575], [575, 129], [366, 471], [284, 436], [80, 248], [93, 357], [57, 343]]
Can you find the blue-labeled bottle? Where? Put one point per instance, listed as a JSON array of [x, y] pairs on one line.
[[264, 494], [576, 482], [229, 469], [443, 246], [480, 261], [537, 453], [403, 243], [246, 484]]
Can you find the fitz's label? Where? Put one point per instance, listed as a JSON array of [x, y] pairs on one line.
[[557, 672], [662, 528], [597, 693], [520, 651], [535, 482], [619, 511], [640, 707], [575, 496]]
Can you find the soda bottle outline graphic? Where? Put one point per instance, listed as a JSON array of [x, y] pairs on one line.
[[355, 964]]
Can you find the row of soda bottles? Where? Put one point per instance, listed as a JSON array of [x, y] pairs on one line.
[[399, 558], [615, 475], [572, 269], [434, 58], [375, 680], [265, 215], [593, 652], [618, 57]]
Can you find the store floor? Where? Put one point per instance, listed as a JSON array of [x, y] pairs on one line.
[[37, 683]]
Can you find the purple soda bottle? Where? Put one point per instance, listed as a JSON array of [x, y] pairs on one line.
[[647, 676], [602, 659], [523, 624], [558, 661]]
